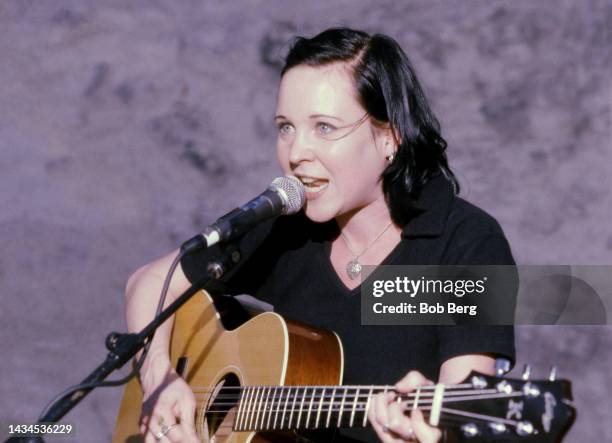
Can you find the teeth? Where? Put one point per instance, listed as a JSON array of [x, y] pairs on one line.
[[309, 181], [314, 185], [311, 188]]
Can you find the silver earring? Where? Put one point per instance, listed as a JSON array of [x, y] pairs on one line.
[[390, 157]]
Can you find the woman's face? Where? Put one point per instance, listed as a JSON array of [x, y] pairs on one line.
[[326, 140]]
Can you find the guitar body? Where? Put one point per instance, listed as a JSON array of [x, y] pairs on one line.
[[266, 350]]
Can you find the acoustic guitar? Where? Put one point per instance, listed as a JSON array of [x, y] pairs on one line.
[[269, 378]]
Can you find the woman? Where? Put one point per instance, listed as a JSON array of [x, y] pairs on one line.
[[356, 129]]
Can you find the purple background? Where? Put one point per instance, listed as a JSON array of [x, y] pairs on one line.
[[124, 125]]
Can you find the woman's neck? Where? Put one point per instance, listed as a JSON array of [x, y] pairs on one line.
[[368, 236], [361, 226]]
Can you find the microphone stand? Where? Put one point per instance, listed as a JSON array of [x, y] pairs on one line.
[[124, 346]]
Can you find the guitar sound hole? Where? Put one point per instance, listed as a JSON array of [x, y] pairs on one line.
[[221, 408]]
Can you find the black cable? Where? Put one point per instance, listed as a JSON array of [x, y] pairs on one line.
[[136, 369]]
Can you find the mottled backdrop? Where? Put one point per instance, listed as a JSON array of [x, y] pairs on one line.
[[126, 126]]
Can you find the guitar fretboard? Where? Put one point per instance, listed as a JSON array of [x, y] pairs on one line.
[[267, 408]]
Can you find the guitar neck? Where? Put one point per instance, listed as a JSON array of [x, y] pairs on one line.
[[275, 408]]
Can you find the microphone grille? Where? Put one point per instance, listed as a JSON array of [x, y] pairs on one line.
[[291, 191]]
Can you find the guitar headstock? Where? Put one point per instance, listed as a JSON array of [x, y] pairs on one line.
[[489, 408]]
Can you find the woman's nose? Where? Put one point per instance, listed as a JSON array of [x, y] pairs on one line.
[[302, 148]]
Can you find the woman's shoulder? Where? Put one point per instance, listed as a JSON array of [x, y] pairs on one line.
[[469, 220], [444, 214], [474, 236]]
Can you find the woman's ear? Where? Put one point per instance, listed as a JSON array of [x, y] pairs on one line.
[[388, 138], [391, 142]]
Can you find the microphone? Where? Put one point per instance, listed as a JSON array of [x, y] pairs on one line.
[[284, 196]]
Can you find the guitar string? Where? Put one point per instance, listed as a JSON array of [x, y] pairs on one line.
[[286, 392], [350, 396], [335, 407], [382, 387], [358, 394], [424, 408], [408, 405], [454, 391], [444, 418], [479, 416], [329, 400]]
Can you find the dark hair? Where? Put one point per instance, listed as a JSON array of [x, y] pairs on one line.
[[390, 93]]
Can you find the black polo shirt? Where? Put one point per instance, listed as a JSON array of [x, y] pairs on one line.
[[287, 264]]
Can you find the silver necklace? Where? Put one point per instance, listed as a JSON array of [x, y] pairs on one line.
[[353, 267]]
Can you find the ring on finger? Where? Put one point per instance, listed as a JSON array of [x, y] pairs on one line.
[[163, 431]]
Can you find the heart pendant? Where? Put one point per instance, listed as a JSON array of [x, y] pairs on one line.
[[353, 269]]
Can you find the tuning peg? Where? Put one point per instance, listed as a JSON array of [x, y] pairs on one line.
[[526, 372], [478, 382], [531, 390], [524, 428], [553, 373], [470, 430], [497, 428], [504, 387]]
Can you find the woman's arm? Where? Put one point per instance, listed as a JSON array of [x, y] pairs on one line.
[[142, 292], [168, 401], [456, 369]]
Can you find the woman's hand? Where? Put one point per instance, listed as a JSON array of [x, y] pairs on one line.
[[390, 420], [168, 409]]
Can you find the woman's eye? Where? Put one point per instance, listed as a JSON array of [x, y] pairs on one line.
[[325, 128], [284, 128]]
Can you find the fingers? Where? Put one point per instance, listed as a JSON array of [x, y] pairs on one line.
[[414, 428], [177, 434], [161, 430], [392, 424], [399, 424], [391, 421], [388, 420], [411, 381], [378, 415], [168, 414], [159, 427], [424, 432], [187, 415]]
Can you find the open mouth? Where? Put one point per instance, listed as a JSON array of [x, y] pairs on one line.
[[314, 184]]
